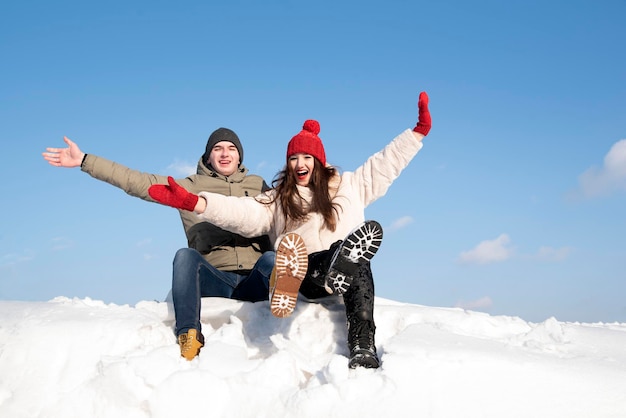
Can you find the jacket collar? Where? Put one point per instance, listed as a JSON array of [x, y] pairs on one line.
[[238, 176]]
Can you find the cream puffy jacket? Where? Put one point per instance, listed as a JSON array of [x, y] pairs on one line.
[[356, 190]]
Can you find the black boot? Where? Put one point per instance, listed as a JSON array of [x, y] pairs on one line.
[[361, 344], [359, 247], [359, 301], [315, 284]]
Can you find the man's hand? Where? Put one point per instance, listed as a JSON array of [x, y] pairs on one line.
[[71, 156], [173, 195]]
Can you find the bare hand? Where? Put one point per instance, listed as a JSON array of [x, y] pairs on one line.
[[71, 156]]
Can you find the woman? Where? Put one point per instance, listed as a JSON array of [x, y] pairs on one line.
[[308, 213]]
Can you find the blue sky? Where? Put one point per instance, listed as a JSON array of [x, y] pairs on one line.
[[515, 205]]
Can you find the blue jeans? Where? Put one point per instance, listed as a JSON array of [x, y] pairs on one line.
[[194, 278]]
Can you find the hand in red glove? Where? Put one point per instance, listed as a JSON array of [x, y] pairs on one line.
[[173, 195], [423, 120]]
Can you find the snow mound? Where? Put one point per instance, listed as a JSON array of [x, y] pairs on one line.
[[82, 357]]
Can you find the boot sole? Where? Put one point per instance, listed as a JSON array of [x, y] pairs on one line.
[[364, 358], [290, 268], [359, 246]]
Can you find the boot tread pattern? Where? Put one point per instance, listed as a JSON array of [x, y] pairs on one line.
[[359, 246], [290, 269]]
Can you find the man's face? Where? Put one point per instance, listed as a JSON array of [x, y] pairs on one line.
[[224, 158]]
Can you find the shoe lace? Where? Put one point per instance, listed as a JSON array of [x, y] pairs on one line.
[[185, 342], [361, 335]]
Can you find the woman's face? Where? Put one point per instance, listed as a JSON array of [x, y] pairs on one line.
[[302, 166]]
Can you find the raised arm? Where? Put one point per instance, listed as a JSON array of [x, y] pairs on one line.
[[69, 157], [374, 177]]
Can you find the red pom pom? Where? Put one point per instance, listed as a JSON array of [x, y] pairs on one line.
[[312, 126]]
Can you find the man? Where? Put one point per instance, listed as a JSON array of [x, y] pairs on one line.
[[217, 262]]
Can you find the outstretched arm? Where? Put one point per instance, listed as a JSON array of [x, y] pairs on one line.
[[176, 196], [133, 182], [71, 156]]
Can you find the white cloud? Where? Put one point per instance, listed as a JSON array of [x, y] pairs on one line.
[[12, 259], [483, 303], [609, 178], [144, 242], [181, 168], [145, 245], [400, 223], [61, 243], [554, 254], [488, 251]]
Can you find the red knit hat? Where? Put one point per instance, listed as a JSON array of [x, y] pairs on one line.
[[307, 142]]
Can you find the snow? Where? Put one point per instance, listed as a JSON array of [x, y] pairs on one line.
[[84, 358]]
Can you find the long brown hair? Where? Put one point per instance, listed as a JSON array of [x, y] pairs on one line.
[[294, 206]]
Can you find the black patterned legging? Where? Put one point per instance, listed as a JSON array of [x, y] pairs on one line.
[[359, 299]]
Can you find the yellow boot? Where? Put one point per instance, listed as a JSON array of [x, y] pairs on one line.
[[190, 343], [272, 281]]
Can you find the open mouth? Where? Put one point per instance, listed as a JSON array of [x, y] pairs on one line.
[[301, 174]]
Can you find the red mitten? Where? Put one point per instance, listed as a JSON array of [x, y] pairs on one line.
[[423, 121], [173, 195]]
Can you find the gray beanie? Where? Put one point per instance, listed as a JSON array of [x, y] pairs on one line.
[[219, 135]]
